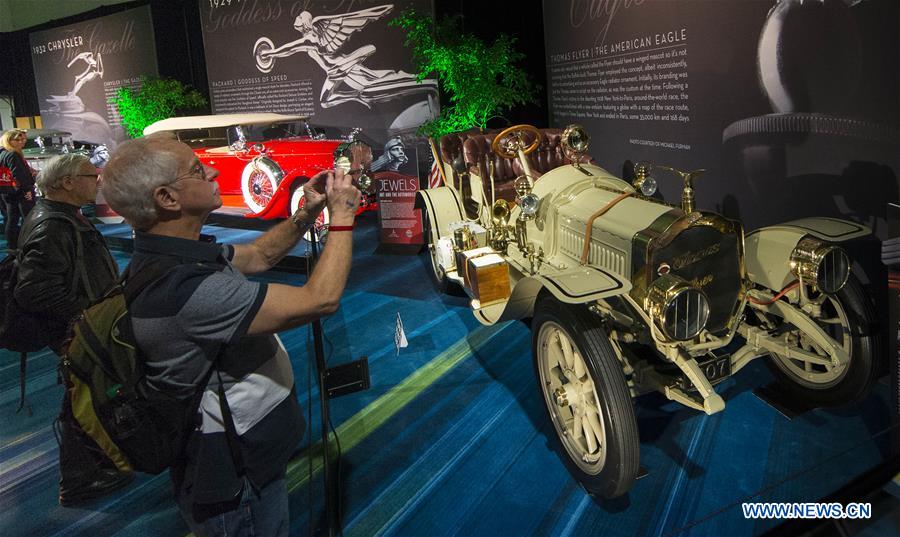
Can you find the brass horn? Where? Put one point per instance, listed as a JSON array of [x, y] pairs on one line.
[[500, 212]]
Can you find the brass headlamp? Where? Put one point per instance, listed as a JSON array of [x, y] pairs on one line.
[[823, 265], [575, 141], [680, 309]]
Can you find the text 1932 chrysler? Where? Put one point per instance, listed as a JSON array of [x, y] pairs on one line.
[[629, 295]]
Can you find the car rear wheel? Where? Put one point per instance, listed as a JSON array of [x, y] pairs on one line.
[[847, 317], [586, 397], [442, 283], [438, 277], [322, 221]]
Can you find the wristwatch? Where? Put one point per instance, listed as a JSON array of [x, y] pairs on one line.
[[300, 222]]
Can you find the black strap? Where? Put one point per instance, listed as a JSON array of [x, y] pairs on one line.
[[133, 284], [231, 435]]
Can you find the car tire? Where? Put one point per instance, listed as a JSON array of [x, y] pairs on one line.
[[602, 451], [258, 186], [823, 387], [322, 221]]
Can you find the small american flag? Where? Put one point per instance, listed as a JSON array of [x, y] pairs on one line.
[[434, 176]]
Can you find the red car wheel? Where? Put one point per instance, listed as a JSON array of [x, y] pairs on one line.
[[322, 221]]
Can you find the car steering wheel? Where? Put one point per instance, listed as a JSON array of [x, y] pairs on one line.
[[510, 149]]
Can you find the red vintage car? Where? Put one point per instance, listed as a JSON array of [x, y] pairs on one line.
[[263, 159]]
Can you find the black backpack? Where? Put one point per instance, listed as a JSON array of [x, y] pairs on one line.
[[23, 331], [138, 427], [26, 331], [9, 273]]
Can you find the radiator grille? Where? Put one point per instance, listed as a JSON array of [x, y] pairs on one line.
[[599, 255]]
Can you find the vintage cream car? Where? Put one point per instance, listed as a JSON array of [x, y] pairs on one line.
[[628, 295]]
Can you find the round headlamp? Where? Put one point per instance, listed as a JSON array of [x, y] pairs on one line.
[[575, 139], [648, 186], [643, 180], [680, 310], [529, 204], [824, 265]]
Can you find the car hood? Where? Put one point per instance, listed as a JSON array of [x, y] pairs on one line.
[[301, 146]]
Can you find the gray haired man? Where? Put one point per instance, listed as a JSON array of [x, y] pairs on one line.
[[64, 265], [204, 314]]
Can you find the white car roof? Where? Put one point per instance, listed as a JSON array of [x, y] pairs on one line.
[[220, 120], [34, 133]]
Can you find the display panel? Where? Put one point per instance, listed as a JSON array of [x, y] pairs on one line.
[[338, 62], [396, 182], [79, 67], [793, 107]]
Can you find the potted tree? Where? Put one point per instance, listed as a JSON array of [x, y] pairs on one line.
[[156, 99]]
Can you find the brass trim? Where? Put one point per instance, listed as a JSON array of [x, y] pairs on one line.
[[807, 258], [575, 150], [663, 231], [667, 290]]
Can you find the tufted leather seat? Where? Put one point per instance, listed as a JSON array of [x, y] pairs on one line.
[[474, 147]]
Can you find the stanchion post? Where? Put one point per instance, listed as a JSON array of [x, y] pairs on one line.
[[319, 347]]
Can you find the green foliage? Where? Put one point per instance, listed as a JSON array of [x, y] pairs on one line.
[[482, 80], [156, 99]]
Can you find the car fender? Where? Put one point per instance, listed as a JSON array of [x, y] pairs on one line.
[[443, 207], [580, 285], [768, 250]]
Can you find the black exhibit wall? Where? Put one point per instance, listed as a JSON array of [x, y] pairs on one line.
[[339, 63], [79, 67], [177, 45], [792, 106], [522, 20]]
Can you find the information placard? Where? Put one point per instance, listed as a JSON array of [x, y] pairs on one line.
[[398, 221]]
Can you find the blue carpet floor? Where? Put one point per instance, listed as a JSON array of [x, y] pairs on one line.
[[451, 439]]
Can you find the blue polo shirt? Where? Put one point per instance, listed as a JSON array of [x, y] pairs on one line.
[[195, 317]]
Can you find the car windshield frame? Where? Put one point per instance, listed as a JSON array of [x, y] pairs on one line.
[[266, 132]]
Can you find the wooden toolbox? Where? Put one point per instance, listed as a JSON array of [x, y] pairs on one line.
[[485, 275]]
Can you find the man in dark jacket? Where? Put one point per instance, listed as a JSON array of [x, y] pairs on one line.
[[64, 265]]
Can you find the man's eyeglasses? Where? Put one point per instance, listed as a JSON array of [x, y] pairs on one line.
[[197, 171], [93, 176]]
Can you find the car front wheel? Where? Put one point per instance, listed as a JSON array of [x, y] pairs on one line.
[[258, 186], [586, 397]]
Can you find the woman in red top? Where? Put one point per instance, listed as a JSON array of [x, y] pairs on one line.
[[18, 198]]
